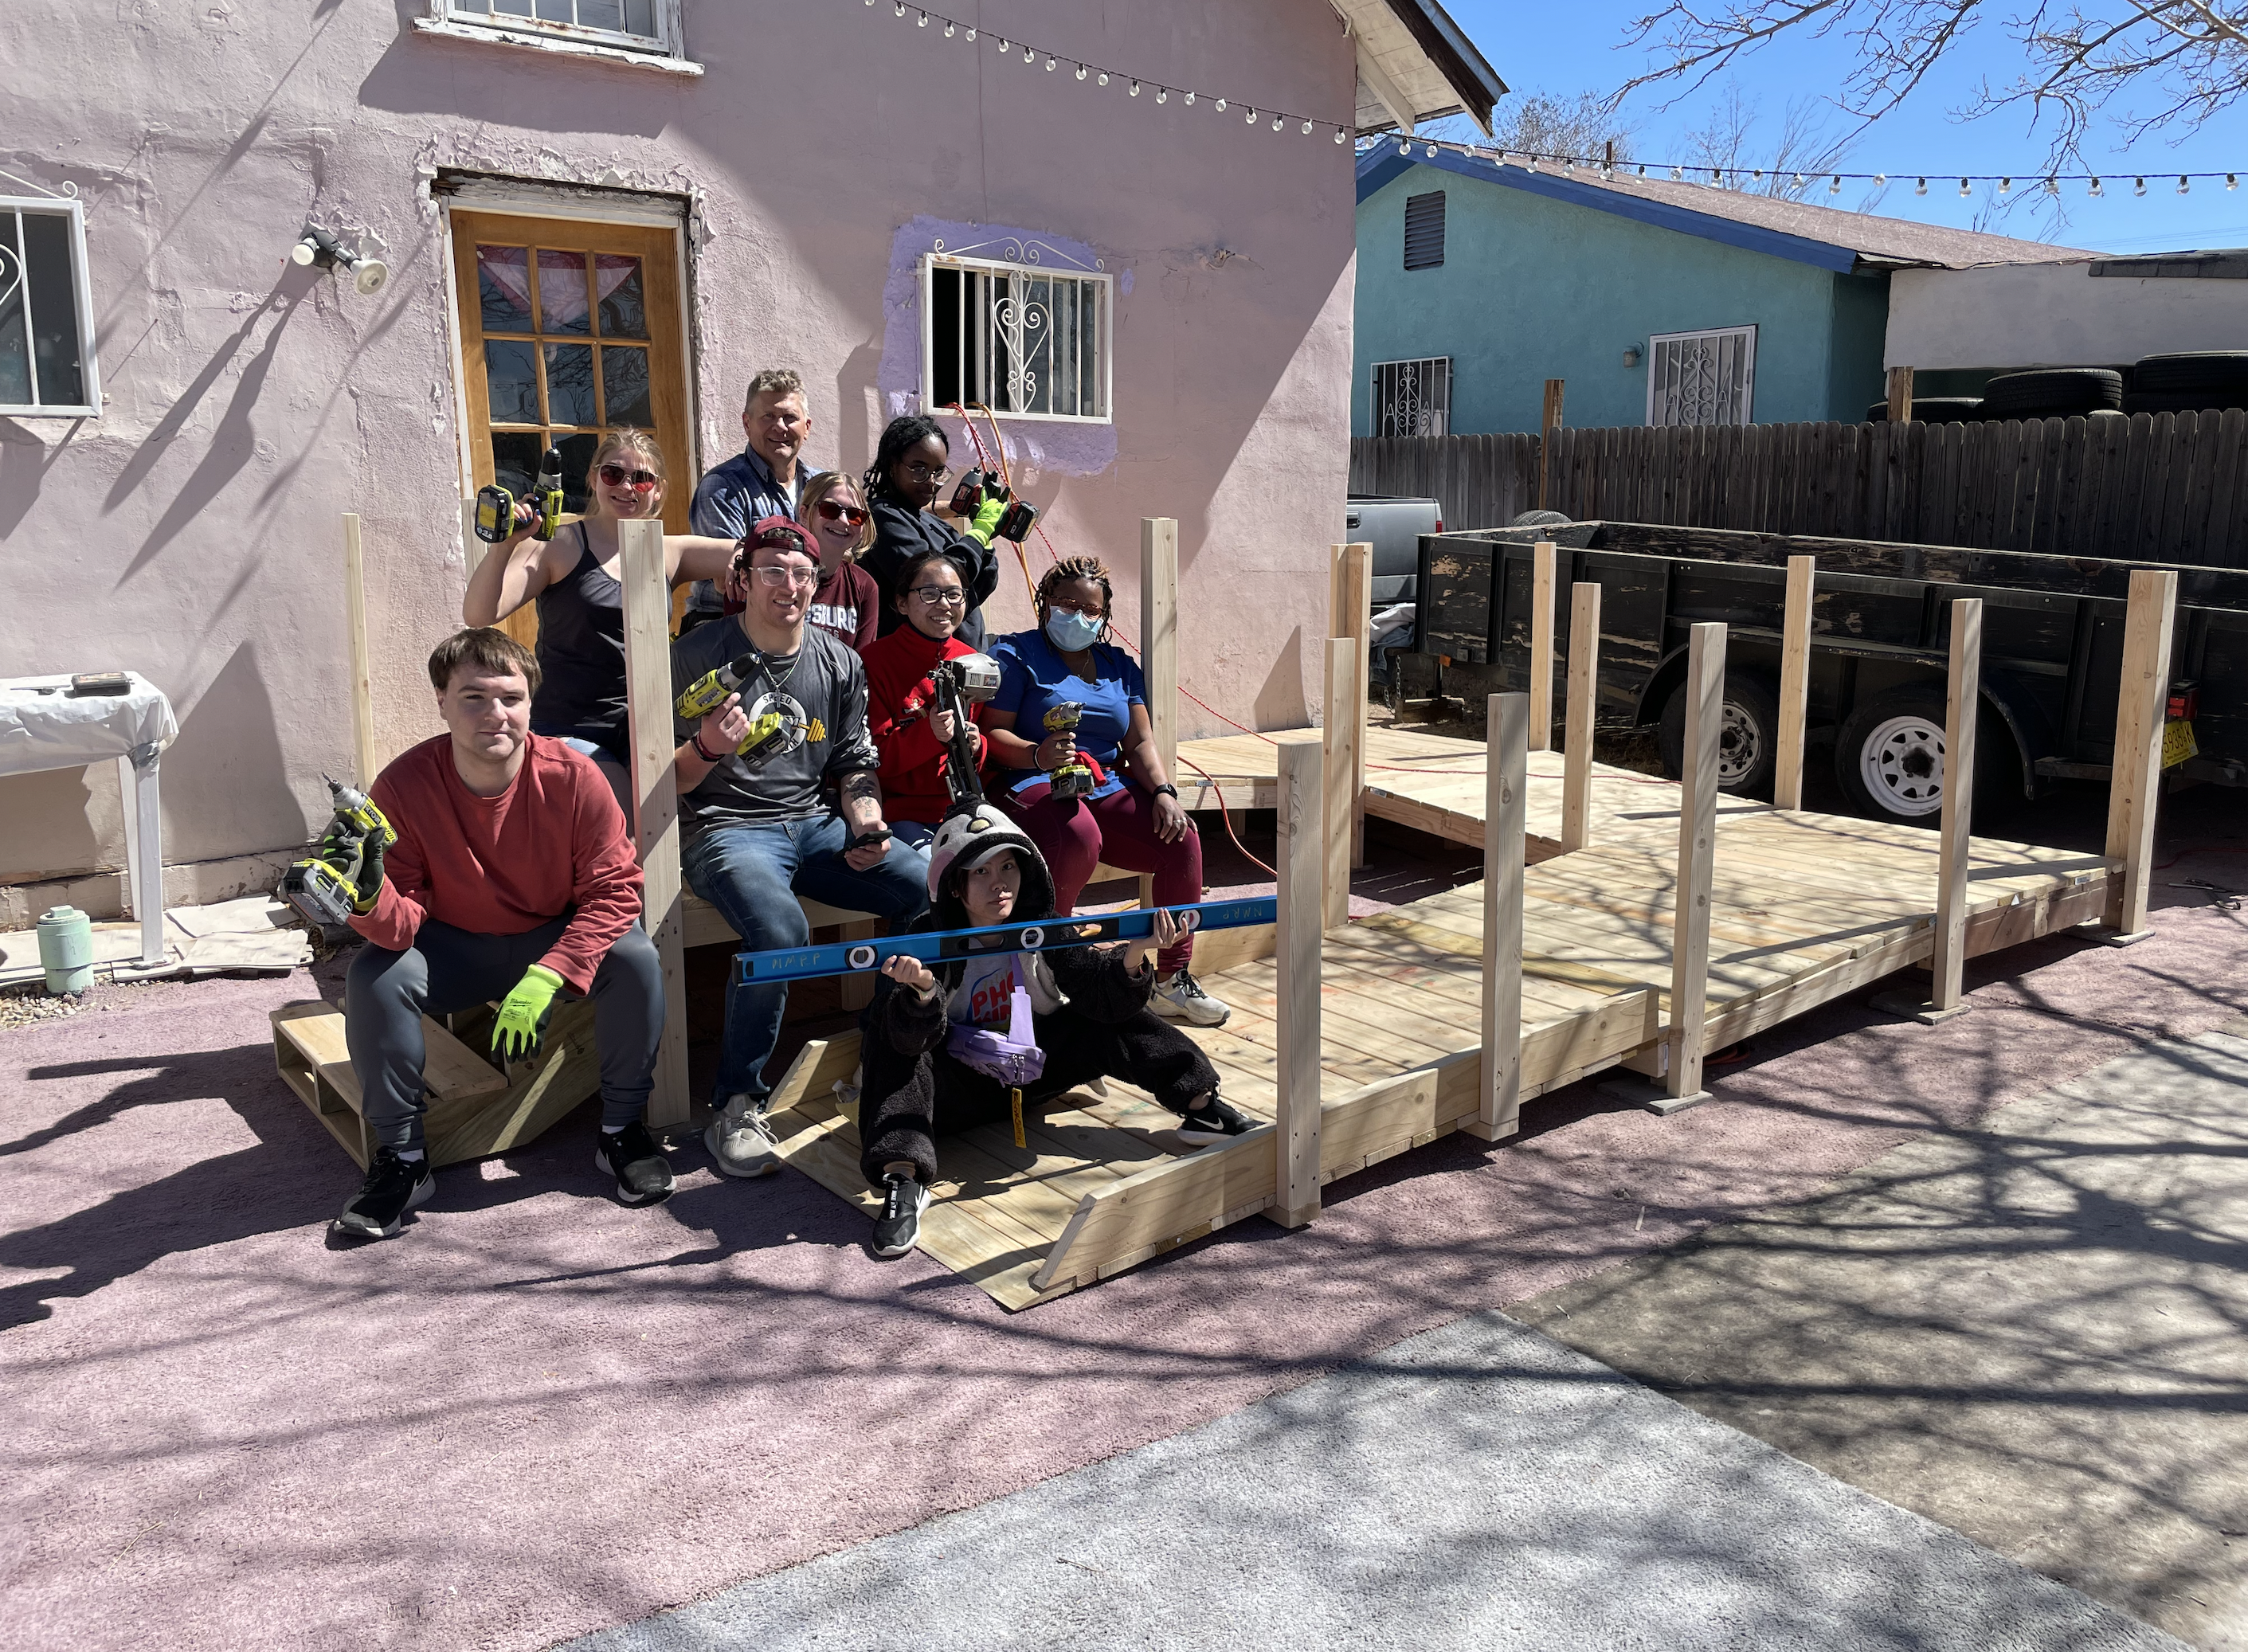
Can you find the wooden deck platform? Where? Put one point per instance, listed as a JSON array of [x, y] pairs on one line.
[[1806, 908], [1434, 784]]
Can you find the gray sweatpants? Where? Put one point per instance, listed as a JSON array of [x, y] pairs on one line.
[[385, 994]]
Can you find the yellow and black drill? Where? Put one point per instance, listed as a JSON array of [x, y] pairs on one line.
[[708, 692], [1073, 778], [496, 505], [324, 886]]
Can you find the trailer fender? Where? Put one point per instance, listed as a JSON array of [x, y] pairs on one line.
[[2025, 721]]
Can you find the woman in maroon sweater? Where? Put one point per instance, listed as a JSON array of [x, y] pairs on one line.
[[909, 731]]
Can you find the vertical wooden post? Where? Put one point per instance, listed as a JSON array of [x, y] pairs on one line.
[[2135, 780], [1549, 421], [1505, 815], [1583, 712], [1350, 614], [655, 813], [1794, 683], [362, 672], [1296, 1189], [1542, 557], [1339, 740], [1697, 856], [1899, 395], [1159, 649], [1962, 697]]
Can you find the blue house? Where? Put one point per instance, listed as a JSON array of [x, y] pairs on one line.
[[1657, 301]]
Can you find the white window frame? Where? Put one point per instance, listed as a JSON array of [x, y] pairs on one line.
[[1377, 404], [81, 295], [665, 49], [1104, 282], [1747, 331]]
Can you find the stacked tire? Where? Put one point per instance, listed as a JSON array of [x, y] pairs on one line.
[[2053, 393], [2190, 382]]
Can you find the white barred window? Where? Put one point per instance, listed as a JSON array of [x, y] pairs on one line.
[[46, 310], [1027, 338], [1413, 398], [1702, 378]]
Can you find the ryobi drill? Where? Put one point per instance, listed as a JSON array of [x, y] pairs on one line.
[[968, 679], [324, 886], [496, 505], [1073, 778], [976, 487], [708, 692]]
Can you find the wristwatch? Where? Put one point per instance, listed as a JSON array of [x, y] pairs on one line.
[[1166, 790]]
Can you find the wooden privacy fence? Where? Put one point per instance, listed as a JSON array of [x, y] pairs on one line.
[[2165, 487]]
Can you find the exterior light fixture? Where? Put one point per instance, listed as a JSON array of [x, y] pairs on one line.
[[317, 246], [1631, 355]]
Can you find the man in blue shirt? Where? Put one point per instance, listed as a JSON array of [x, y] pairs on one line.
[[763, 480]]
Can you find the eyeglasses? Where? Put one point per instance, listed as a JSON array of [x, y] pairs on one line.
[[1070, 604], [616, 475], [939, 596], [921, 472], [770, 575], [836, 511]]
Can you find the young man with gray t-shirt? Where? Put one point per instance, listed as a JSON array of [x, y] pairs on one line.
[[759, 825]]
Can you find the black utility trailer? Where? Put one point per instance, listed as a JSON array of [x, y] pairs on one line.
[[2052, 649]]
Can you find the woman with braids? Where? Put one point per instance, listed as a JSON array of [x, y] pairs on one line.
[[911, 464], [571, 578], [1129, 814]]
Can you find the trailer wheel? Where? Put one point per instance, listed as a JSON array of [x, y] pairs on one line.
[[1748, 739], [1888, 757]]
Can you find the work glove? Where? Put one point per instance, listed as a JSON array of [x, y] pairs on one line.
[[522, 1024], [987, 520], [357, 859]]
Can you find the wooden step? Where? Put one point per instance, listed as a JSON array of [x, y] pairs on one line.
[[312, 1058]]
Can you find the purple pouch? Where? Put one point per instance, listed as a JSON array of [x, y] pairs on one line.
[[1013, 1058]]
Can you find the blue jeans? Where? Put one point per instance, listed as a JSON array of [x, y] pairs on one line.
[[752, 874]]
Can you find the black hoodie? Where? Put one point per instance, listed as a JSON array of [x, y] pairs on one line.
[[900, 534]]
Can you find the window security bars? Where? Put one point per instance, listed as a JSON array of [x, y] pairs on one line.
[[1413, 398], [46, 310], [1025, 340], [1702, 378]]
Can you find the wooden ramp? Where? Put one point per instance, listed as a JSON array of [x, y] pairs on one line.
[[1805, 908], [1433, 783]]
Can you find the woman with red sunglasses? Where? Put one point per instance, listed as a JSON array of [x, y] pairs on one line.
[[847, 605], [571, 580]]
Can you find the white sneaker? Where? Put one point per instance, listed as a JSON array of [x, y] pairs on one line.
[[1180, 998], [740, 1141]]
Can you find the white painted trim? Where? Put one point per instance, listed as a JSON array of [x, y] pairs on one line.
[[594, 203], [1107, 284], [81, 297], [486, 34], [1384, 89]]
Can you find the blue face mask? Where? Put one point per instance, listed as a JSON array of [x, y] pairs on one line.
[[1071, 632]]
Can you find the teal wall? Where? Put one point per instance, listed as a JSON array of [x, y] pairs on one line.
[[1533, 289]]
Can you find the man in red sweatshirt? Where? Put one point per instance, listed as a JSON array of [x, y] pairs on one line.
[[513, 878]]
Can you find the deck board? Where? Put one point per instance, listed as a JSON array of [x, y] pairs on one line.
[[1805, 908]]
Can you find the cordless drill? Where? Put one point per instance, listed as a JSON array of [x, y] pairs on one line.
[[1073, 778], [496, 505], [976, 487], [323, 893], [708, 692], [967, 680]]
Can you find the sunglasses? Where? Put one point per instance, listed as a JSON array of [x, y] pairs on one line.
[[616, 475], [836, 511]]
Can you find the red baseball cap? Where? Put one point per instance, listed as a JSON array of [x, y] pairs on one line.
[[780, 531]]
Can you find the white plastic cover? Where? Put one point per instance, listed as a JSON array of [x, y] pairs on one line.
[[43, 725]]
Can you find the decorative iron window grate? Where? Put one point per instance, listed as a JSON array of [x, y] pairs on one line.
[[1413, 398], [1025, 339], [1424, 230], [642, 25], [46, 310], [1702, 378]]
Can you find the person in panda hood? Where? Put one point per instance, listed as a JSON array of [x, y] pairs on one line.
[[981, 1039]]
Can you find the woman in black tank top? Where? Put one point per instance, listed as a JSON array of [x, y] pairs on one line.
[[571, 578]]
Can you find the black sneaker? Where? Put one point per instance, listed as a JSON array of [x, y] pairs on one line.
[[1212, 1119], [635, 1158], [392, 1187], [904, 1198]]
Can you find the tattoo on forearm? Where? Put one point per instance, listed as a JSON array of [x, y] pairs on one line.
[[862, 787]]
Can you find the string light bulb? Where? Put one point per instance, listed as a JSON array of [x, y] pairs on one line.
[[1030, 54], [2138, 186], [1004, 48], [1965, 189], [948, 29], [1430, 151], [901, 8], [1050, 65], [1189, 100], [1835, 187], [1677, 176], [1339, 134], [1221, 106], [1104, 78], [1881, 180], [1919, 186], [1278, 122], [2005, 185], [971, 31], [1799, 181], [2184, 187], [2052, 185], [2231, 183], [1135, 88], [1162, 94], [1081, 71], [924, 23], [1307, 128], [1250, 118]]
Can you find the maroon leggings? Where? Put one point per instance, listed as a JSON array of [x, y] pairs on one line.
[[1075, 836]]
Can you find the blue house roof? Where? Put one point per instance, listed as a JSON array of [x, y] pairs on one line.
[[1825, 236]]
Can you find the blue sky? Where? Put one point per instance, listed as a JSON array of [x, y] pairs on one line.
[[1564, 49]]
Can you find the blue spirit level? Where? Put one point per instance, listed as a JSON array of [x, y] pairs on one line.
[[935, 946]]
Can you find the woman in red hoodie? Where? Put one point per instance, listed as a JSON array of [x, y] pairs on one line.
[[909, 731]]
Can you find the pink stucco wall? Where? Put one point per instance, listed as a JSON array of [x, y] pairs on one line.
[[191, 531]]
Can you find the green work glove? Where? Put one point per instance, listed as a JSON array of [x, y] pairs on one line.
[[521, 1024], [987, 518], [357, 859]]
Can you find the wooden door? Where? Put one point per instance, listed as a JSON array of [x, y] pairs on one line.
[[569, 330]]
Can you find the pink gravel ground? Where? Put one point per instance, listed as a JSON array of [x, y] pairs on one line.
[[538, 1414]]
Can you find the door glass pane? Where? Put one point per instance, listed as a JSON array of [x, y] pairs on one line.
[[577, 458], [54, 309], [515, 459], [562, 304], [624, 385], [570, 385], [616, 278], [503, 284], [511, 378]]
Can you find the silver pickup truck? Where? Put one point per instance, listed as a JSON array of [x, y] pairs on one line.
[[1394, 528]]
